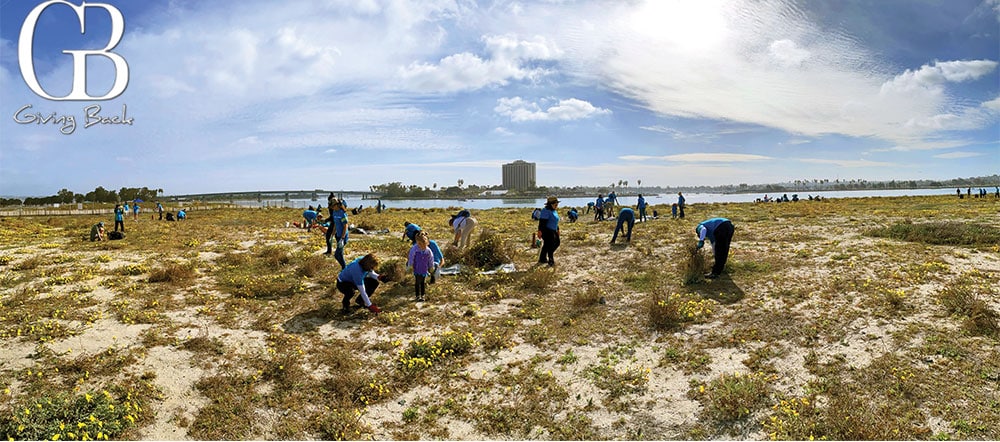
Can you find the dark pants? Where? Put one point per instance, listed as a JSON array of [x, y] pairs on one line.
[[119, 224], [723, 236], [161, 215], [642, 214], [339, 253], [349, 289], [680, 207], [420, 286], [622, 219], [550, 242]]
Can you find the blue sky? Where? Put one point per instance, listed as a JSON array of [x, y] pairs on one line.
[[344, 94]]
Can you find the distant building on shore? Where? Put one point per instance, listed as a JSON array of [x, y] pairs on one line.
[[518, 175]]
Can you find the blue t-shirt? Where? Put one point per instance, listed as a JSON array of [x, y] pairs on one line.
[[438, 256], [119, 214], [599, 202], [551, 219], [353, 273], [411, 231], [706, 229], [309, 215], [642, 203], [339, 224], [626, 214]]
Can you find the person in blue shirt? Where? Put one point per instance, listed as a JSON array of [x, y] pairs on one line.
[[573, 215], [599, 208], [719, 231], [159, 208], [411, 232], [438, 260], [680, 205], [181, 215], [548, 227], [626, 215], [310, 217], [128, 209], [119, 217], [359, 276], [642, 208], [337, 233], [135, 210]]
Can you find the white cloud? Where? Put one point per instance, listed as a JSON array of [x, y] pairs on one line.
[[503, 131], [957, 155], [848, 163], [762, 63], [932, 77], [994, 104], [788, 54], [519, 110], [700, 158], [507, 60]]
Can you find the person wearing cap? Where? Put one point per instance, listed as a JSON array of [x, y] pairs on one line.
[[548, 229], [97, 232], [359, 276], [337, 232], [626, 215], [463, 224], [411, 232], [719, 231]]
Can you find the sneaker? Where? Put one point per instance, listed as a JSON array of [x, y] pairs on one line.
[[712, 275]]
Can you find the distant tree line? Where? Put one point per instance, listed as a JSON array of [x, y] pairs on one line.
[[399, 190], [98, 195]]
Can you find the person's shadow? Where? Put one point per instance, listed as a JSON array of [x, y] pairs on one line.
[[722, 289], [312, 320]]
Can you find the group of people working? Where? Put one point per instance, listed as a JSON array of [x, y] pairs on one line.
[[425, 258]]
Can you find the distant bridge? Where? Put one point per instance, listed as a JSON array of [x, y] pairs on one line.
[[280, 195]]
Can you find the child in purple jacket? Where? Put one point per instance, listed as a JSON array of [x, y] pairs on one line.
[[422, 260]]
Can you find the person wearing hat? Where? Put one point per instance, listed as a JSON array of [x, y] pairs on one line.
[[97, 232], [548, 229], [719, 231], [337, 232]]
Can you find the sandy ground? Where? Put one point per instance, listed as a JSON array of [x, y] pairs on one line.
[[664, 409]]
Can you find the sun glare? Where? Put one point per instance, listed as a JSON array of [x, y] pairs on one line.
[[687, 25]]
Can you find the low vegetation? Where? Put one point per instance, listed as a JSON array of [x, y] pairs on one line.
[[861, 319]]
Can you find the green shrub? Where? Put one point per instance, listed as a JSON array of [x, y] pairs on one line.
[[489, 251], [941, 233], [731, 397], [692, 264]]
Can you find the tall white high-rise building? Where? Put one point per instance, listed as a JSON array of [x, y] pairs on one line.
[[518, 175]]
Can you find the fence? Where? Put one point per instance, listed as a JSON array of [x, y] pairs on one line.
[[105, 211]]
